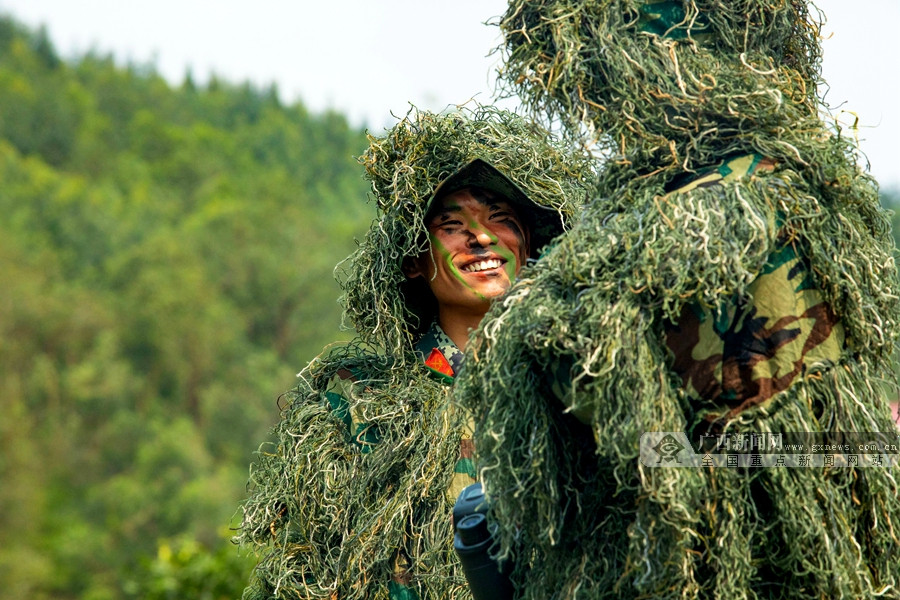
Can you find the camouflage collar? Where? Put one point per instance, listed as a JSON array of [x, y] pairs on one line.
[[439, 353]]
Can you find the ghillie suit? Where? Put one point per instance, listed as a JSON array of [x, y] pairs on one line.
[[354, 498], [734, 275]]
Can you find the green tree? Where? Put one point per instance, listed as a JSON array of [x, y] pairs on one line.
[[166, 259], [185, 568]]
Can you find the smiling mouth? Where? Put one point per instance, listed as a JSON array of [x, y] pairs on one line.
[[483, 265]]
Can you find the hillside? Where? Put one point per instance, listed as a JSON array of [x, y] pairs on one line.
[[166, 259]]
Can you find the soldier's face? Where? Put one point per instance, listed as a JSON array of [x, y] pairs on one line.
[[478, 245]]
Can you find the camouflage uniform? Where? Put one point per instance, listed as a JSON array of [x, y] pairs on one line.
[[353, 500]]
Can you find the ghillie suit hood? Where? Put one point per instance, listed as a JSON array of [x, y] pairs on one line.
[[672, 85], [405, 168], [733, 275], [353, 499]]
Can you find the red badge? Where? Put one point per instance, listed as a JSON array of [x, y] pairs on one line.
[[437, 361]]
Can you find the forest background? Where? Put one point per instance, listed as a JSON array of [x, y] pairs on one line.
[[166, 257]]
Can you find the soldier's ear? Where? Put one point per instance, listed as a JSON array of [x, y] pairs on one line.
[[413, 266]]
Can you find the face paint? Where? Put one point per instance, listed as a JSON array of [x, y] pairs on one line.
[[444, 253], [477, 248], [510, 266]]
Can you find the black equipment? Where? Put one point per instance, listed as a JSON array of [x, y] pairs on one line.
[[472, 541]]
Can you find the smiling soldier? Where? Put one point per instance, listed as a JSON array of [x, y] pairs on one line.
[[354, 500], [479, 228], [478, 244]]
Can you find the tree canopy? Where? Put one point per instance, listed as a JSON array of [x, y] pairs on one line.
[[166, 257]]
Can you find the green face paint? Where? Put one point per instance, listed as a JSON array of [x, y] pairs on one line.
[[464, 231], [511, 266], [447, 258], [443, 255]]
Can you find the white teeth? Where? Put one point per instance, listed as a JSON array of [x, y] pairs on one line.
[[483, 265]]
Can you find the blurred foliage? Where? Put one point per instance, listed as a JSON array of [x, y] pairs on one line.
[[166, 258], [182, 568], [890, 199]]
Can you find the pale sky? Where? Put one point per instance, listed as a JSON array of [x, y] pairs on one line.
[[368, 58]]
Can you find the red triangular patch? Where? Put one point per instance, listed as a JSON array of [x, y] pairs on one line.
[[437, 361]]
